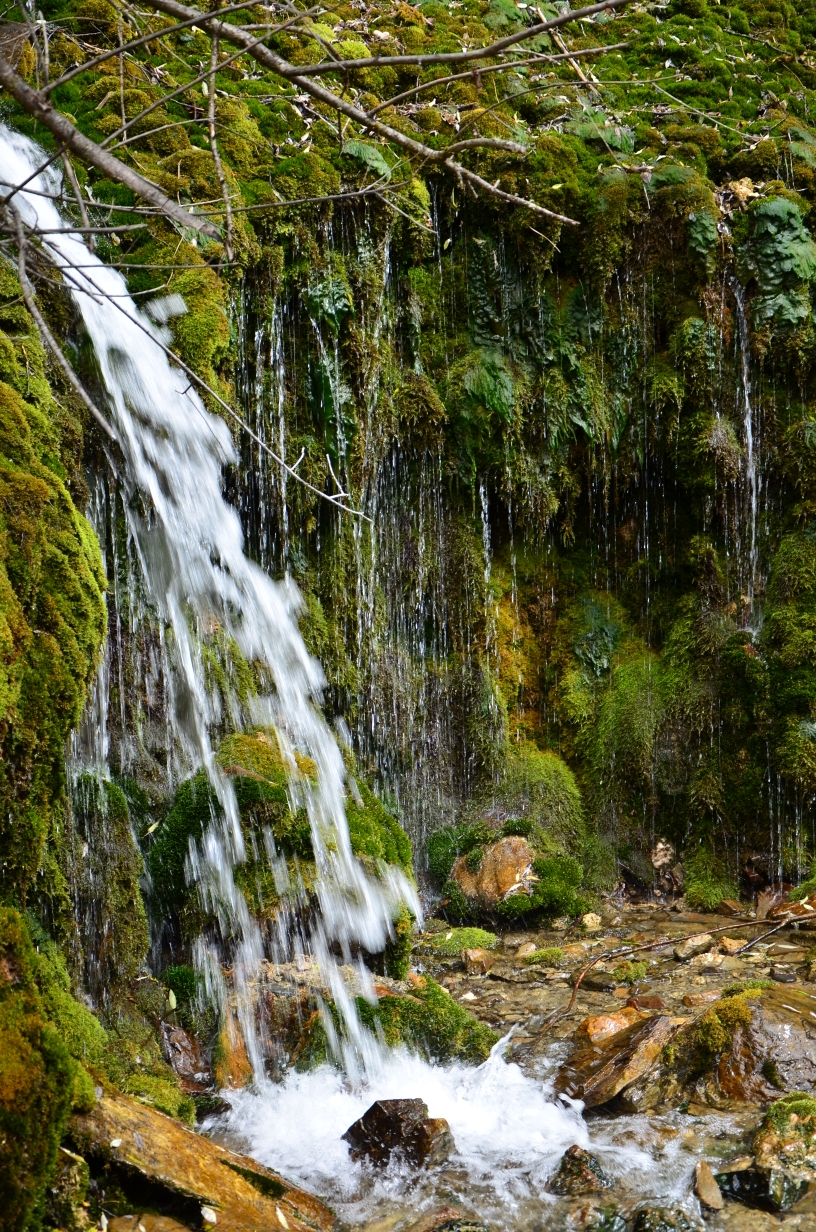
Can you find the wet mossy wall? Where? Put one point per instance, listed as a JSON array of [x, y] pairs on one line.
[[578, 548]]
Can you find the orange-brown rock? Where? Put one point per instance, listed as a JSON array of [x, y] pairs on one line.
[[478, 962], [598, 1072], [602, 1026], [730, 945], [702, 998], [163, 1154], [231, 1065], [506, 868]]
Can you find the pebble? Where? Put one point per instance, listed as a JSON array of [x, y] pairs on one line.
[[693, 946], [529, 947], [706, 1188], [702, 998], [781, 976]]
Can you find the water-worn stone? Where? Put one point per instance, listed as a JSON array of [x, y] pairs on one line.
[[602, 1026], [529, 947], [782, 976], [157, 1153], [478, 962], [730, 906], [647, 1001], [447, 1219], [578, 1173], [145, 1223], [506, 868], [706, 1187], [731, 945], [592, 922], [702, 998], [597, 981], [187, 1058], [599, 1072], [659, 1219], [400, 1125], [693, 946]]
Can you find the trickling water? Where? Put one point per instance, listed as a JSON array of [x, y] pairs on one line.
[[748, 435], [189, 546]]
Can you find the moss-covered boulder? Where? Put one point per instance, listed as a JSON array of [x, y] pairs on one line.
[[38, 1080]]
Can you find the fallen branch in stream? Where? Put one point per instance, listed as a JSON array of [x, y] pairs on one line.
[[624, 951]]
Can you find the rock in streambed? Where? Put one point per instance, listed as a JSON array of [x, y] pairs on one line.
[[400, 1125]]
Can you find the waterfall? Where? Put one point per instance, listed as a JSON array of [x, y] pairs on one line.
[[189, 546], [751, 484]]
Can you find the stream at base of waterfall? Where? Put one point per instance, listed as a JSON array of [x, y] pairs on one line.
[[510, 1121]]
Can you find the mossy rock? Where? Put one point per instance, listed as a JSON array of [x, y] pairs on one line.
[[37, 1079], [452, 943], [428, 1022]]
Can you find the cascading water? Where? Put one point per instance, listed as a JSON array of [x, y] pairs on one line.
[[189, 545]]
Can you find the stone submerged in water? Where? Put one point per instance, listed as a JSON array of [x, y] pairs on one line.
[[784, 1162], [693, 946], [706, 1187], [401, 1125], [659, 1219], [578, 1173], [478, 962], [599, 1072]]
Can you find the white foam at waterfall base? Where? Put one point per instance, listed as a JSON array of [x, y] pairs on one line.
[[510, 1133]]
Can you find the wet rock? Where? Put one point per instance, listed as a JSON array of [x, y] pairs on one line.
[[447, 1219], [506, 868], [730, 906], [706, 1187], [603, 1026], [187, 1058], [782, 976], [599, 1072], [400, 1125], [731, 945], [145, 1223], [597, 981], [233, 1068], [701, 944], [592, 922], [767, 900], [659, 1219], [786, 951], [159, 1155], [529, 947], [647, 1001], [478, 962], [67, 1192], [702, 998], [578, 1173]]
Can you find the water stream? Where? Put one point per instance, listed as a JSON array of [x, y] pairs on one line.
[[189, 546]]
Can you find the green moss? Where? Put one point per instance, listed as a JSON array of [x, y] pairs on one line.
[[374, 832], [162, 1093], [554, 895], [707, 882], [794, 1112], [630, 972], [428, 1022], [457, 939], [550, 956], [397, 957], [37, 1078]]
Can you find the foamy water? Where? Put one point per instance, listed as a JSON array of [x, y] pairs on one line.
[[510, 1133]]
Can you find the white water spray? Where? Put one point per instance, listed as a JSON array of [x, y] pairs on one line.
[[189, 544]]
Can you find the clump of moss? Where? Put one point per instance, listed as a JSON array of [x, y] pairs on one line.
[[397, 957], [162, 1093], [428, 1022], [630, 972], [794, 1112], [375, 833], [554, 895], [446, 845], [457, 939], [713, 1033], [745, 986], [37, 1080], [707, 881], [550, 956]]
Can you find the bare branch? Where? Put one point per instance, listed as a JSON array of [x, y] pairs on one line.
[[274, 62], [71, 138], [451, 57]]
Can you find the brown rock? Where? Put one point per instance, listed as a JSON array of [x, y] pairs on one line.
[[702, 998], [529, 947], [168, 1156], [599, 1072], [575, 950], [693, 946], [602, 1026], [730, 945], [596, 981], [478, 962], [400, 1125], [786, 951], [730, 906], [506, 868], [233, 1068], [578, 1173], [187, 1057], [145, 1223], [647, 1002], [706, 1188], [767, 900]]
